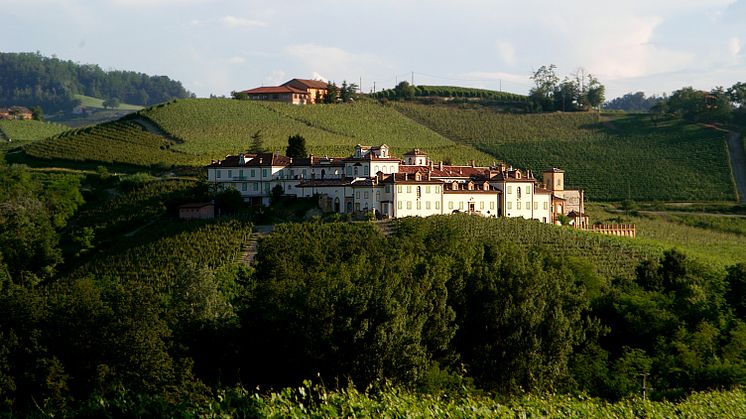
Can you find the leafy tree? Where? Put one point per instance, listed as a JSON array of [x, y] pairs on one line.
[[404, 90], [332, 93], [257, 143], [547, 84], [37, 113], [736, 293], [595, 93], [296, 146], [111, 103], [634, 102]]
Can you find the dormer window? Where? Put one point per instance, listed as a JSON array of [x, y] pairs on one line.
[[517, 174], [486, 186]]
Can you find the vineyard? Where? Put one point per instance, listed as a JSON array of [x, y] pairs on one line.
[[216, 127], [124, 142], [316, 401], [124, 211], [719, 241], [158, 253], [27, 131], [629, 156], [611, 256]]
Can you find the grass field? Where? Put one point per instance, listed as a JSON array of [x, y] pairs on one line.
[[612, 159], [92, 102], [20, 132], [716, 240]]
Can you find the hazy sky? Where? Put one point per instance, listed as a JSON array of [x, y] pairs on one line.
[[216, 46]]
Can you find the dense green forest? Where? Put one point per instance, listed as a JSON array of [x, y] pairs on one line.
[[110, 305], [30, 79]]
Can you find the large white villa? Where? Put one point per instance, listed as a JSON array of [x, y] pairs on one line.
[[373, 180]]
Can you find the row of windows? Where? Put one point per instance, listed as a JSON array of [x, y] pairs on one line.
[[461, 205], [518, 190], [355, 170], [241, 173], [400, 188], [418, 205], [528, 205]]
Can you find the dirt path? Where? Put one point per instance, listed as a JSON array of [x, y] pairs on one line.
[[249, 251], [738, 164], [154, 129]]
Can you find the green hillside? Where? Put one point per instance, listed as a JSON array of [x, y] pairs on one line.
[[610, 157], [26, 131], [216, 127], [624, 157], [123, 141], [92, 102]]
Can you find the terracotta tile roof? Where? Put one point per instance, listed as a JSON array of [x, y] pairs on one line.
[[318, 162], [274, 90], [311, 84]]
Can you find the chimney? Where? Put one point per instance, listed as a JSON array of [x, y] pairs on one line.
[[311, 158], [440, 165], [428, 175], [406, 176], [472, 163], [431, 164]]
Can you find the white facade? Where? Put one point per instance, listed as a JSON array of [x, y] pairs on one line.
[[371, 180]]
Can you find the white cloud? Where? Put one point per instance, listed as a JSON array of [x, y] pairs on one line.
[[236, 60], [240, 22], [507, 52], [276, 77], [317, 76], [336, 63], [734, 46]]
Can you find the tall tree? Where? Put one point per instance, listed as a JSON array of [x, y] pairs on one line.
[[547, 83], [257, 143], [296, 146], [332, 93]]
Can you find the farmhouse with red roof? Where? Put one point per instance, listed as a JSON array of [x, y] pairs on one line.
[[295, 91]]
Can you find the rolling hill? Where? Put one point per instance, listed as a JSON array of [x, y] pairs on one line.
[[611, 157]]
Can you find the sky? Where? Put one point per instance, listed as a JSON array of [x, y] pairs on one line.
[[218, 46]]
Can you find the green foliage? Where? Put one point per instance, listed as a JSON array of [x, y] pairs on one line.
[[609, 159], [212, 128], [114, 142], [296, 146], [31, 79], [112, 102], [257, 143], [27, 131]]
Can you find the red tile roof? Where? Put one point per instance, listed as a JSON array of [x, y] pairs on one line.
[[311, 84], [274, 90]]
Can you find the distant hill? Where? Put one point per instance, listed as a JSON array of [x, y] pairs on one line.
[[30, 79]]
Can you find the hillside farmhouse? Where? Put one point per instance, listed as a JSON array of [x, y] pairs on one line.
[[16, 112], [373, 180], [295, 91]]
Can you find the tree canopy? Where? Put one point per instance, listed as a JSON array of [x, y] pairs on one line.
[[30, 79]]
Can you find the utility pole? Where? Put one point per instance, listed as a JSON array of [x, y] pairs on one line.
[[360, 86], [413, 78], [374, 87]]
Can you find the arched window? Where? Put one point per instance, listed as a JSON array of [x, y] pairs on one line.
[[419, 191], [518, 192]]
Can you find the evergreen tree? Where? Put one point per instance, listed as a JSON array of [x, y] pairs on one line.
[[257, 143], [296, 146]]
